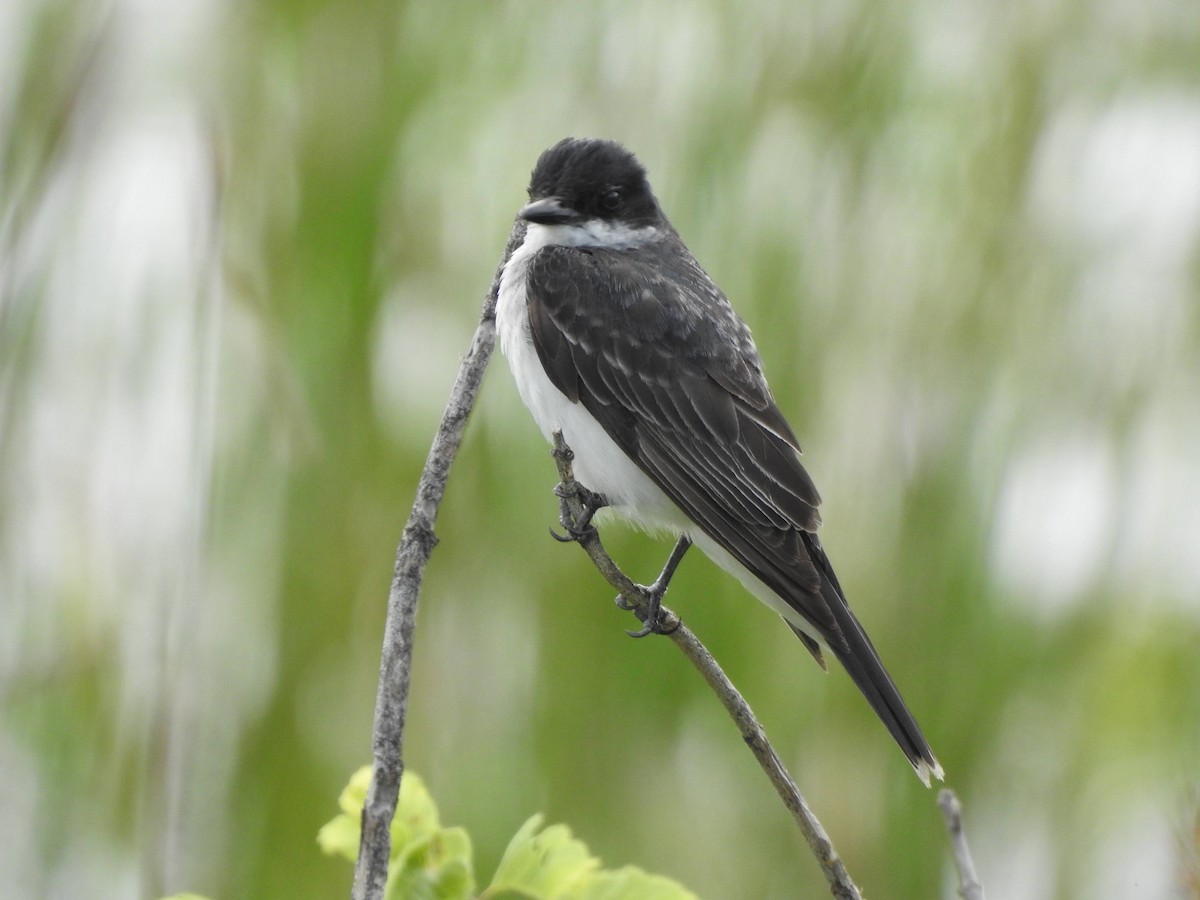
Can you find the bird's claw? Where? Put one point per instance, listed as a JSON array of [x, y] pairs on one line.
[[652, 618], [657, 628], [569, 538], [654, 622], [576, 527]]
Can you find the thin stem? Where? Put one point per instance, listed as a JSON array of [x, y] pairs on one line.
[[416, 545], [969, 885]]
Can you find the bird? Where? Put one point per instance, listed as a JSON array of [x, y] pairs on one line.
[[619, 339]]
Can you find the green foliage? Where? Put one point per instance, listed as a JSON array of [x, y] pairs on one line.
[[429, 862], [550, 863]]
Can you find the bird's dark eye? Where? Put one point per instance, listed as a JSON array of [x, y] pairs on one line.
[[611, 200]]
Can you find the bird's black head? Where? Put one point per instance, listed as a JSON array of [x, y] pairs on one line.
[[585, 178]]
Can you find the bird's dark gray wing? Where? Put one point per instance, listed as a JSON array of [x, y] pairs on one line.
[[656, 354], [653, 350]]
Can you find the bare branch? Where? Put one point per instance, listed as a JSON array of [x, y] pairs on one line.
[[637, 596], [416, 545], [969, 885]]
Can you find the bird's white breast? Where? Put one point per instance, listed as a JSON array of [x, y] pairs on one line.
[[599, 463]]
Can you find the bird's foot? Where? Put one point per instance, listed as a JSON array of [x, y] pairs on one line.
[[652, 617], [577, 527], [654, 620]]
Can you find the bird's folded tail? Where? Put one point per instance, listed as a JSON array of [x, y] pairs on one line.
[[860, 659]]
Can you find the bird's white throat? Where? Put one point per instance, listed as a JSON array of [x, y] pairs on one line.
[[591, 233], [599, 463]]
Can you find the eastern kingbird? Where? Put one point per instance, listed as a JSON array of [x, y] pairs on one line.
[[620, 340]]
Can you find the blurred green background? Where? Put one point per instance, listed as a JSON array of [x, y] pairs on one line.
[[242, 248]]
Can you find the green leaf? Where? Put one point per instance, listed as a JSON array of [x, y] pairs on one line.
[[553, 865], [427, 862], [434, 869], [543, 864], [629, 883], [339, 837], [416, 813], [354, 794]]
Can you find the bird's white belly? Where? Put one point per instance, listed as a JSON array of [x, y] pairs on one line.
[[600, 464]]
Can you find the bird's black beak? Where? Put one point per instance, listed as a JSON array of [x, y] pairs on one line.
[[549, 211]]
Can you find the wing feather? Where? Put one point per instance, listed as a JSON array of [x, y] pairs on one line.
[[664, 364]]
